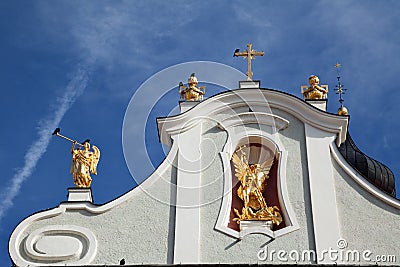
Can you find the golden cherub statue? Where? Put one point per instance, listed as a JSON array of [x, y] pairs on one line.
[[314, 91], [192, 92], [253, 179], [84, 161]]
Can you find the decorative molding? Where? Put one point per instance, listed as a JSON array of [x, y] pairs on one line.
[[57, 245], [277, 123]]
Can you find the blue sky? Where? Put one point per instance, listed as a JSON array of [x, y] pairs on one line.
[[76, 65]]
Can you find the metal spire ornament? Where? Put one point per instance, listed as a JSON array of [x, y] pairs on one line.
[[340, 91]]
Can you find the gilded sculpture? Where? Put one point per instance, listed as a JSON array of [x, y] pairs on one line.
[[314, 91], [253, 180], [192, 92], [250, 54], [84, 160]]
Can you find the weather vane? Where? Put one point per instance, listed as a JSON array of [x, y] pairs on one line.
[[250, 54], [84, 161], [340, 91]]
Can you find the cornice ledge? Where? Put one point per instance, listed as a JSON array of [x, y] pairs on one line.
[[262, 99], [276, 122]]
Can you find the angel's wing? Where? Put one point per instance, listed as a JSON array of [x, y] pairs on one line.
[[263, 170], [95, 160], [240, 167], [265, 167]]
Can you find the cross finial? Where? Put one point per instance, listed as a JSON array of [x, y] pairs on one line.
[[250, 54], [340, 91], [339, 87]]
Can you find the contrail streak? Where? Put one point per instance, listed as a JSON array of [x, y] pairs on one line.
[[73, 90]]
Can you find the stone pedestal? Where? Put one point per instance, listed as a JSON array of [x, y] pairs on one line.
[[254, 225], [318, 103], [79, 194], [249, 84], [186, 105]]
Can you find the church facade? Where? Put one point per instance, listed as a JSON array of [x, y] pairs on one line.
[[253, 176]]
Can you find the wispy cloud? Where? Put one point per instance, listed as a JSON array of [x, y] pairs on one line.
[[123, 32], [103, 35], [36, 150]]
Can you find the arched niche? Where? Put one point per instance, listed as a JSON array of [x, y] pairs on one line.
[[258, 150], [260, 145]]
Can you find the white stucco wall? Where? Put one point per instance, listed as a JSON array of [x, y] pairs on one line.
[[139, 229], [366, 223]]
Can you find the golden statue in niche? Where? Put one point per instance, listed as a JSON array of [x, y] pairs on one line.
[[314, 91], [192, 92], [253, 179]]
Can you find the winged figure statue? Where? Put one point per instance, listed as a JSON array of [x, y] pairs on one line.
[[84, 162], [253, 180]]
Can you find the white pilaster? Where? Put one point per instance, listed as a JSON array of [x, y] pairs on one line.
[[187, 222], [322, 190]]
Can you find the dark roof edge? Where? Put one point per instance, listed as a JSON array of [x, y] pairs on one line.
[[377, 173]]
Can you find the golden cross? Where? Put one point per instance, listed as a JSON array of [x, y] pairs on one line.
[[250, 54]]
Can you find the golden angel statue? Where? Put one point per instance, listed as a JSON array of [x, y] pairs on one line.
[[253, 179], [84, 162]]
